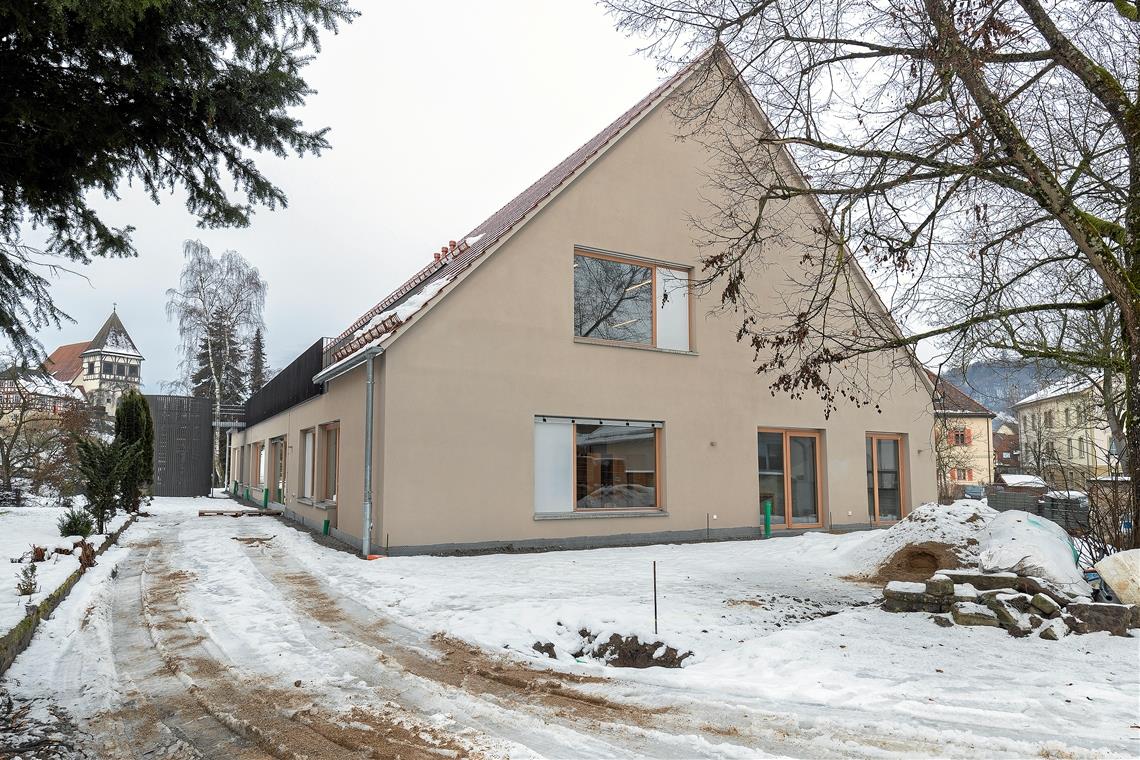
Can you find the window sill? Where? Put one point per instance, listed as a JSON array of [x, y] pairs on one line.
[[600, 513], [635, 346], [326, 505]]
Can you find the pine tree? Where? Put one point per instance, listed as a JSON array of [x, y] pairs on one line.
[[134, 428], [103, 466], [228, 364], [166, 95], [257, 366]]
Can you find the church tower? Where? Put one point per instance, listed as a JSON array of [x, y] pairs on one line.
[[111, 365]]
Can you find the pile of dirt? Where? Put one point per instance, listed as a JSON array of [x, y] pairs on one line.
[[619, 651], [931, 537]]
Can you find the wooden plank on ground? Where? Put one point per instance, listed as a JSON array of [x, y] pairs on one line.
[[238, 512]]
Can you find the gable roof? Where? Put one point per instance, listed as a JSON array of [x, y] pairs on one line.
[[66, 362], [1066, 386], [950, 400], [458, 255], [113, 337]]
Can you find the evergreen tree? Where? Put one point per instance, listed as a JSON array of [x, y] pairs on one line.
[[134, 427], [165, 95], [228, 361], [103, 466], [257, 366]]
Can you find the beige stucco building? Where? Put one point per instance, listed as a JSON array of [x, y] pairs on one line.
[[532, 387], [963, 443], [1065, 437]]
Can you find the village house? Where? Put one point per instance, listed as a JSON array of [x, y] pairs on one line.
[[1065, 438], [963, 443], [103, 368], [1007, 446], [531, 386]]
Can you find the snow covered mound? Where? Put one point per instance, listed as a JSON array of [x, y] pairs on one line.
[[932, 537], [1033, 546]]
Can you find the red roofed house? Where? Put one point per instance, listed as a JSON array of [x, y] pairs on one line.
[[963, 442], [104, 368], [532, 387]]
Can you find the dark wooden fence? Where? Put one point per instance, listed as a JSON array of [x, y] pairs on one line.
[[182, 452]]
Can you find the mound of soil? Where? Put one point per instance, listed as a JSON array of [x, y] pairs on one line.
[[917, 562], [630, 652], [932, 537]]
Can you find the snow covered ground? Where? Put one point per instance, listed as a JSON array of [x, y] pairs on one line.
[[20, 528], [790, 657]]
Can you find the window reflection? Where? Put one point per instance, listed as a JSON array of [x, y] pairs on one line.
[[615, 466], [613, 300]]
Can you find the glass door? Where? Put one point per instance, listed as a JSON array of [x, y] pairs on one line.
[[788, 469], [770, 448], [884, 478], [804, 485]]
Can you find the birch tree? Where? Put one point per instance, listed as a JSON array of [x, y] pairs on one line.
[[978, 161], [225, 292]]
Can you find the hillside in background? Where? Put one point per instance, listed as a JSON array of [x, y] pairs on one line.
[[998, 384]]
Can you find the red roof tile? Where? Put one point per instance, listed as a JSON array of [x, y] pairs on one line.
[[65, 363], [950, 399]]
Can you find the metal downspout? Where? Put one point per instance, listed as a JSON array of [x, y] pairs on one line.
[[369, 402]]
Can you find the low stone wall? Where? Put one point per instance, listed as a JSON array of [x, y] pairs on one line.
[[17, 640]]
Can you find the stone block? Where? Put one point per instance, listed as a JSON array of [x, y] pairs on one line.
[[940, 585], [1134, 616], [1054, 630], [901, 605], [1033, 586], [904, 590], [1095, 617], [1044, 603], [969, 613], [982, 581], [965, 592]]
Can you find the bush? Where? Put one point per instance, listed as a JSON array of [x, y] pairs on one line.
[[26, 584], [75, 522]]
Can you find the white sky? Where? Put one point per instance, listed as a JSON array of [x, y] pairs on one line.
[[436, 122]]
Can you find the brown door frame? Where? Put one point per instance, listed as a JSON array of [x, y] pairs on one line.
[[904, 505], [786, 434]]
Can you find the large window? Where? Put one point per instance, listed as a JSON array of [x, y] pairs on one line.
[[631, 302], [257, 457], [308, 462], [330, 440], [884, 477], [277, 463], [788, 465], [589, 465], [615, 466]]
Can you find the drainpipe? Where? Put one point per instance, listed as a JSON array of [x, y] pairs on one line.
[[369, 402], [366, 358], [229, 449]]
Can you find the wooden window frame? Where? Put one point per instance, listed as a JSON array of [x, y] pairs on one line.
[[324, 461], [819, 510], [955, 434], [271, 475], [301, 482], [658, 501], [652, 266], [256, 451], [904, 503]]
